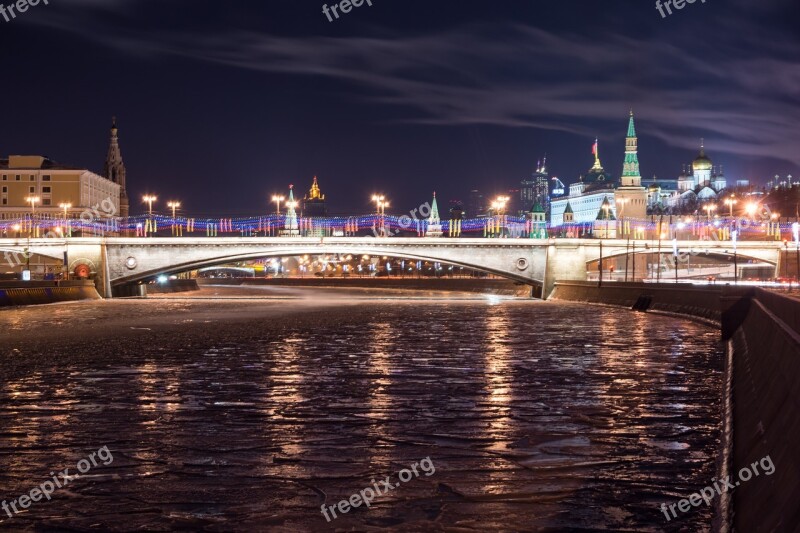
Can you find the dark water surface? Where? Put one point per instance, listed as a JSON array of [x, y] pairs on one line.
[[249, 414]]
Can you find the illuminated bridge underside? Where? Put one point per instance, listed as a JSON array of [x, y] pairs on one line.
[[120, 261]]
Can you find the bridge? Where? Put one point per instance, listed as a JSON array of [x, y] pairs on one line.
[[120, 261]]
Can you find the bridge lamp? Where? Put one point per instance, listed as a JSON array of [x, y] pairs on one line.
[[622, 202], [730, 202], [33, 200], [173, 206], [149, 199], [278, 199]]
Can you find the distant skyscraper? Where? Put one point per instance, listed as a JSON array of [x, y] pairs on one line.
[[115, 169], [536, 189], [476, 205]]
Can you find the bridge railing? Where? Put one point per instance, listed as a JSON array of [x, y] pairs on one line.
[[505, 226]]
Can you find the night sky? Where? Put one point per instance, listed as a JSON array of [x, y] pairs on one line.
[[221, 104]]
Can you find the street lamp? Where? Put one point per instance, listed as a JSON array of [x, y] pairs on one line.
[[149, 199], [173, 206], [730, 202], [382, 203], [66, 207], [751, 209], [278, 199], [709, 208], [499, 206], [33, 200]]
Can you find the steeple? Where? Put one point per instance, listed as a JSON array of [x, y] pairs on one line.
[[115, 169], [596, 151], [434, 227], [434, 218], [631, 176], [605, 212], [315, 193], [291, 225]]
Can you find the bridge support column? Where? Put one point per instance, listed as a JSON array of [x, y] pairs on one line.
[[104, 287], [563, 262]]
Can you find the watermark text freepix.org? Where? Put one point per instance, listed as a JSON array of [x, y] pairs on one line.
[[366, 496], [707, 494], [59, 480], [669, 4], [10, 11], [345, 6]]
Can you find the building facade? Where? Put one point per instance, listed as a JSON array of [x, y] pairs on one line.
[[38, 186]]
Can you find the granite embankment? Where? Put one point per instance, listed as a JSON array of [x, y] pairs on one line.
[[762, 395], [45, 292], [484, 286]]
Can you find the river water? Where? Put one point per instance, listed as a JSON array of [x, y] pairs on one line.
[[248, 413]]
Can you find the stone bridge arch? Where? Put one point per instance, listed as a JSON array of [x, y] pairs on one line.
[[134, 260]]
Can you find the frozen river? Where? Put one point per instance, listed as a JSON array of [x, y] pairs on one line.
[[251, 412]]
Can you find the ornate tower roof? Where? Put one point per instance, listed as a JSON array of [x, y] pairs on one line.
[[434, 218], [315, 193], [605, 212], [598, 168], [630, 169]]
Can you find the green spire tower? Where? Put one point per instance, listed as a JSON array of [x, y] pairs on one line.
[[434, 228], [291, 227], [434, 218], [630, 169]]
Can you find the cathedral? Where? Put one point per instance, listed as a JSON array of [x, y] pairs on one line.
[[704, 184]]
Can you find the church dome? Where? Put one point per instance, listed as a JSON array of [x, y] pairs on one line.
[[654, 187], [702, 162]]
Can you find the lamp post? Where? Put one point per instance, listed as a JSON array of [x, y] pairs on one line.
[[734, 236], [33, 200], [675, 256], [730, 202], [622, 202], [709, 208], [796, 234], [499, 205], [174, 206], [66, 207], [149, 199], [381, 204], [278, 199]]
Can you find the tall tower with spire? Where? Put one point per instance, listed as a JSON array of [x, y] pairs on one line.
[[291, 226], [630, 198], [314, 204], [630, 169], [434, 221], [115, 169]]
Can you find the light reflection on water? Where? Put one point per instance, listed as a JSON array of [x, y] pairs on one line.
[[536, 415]]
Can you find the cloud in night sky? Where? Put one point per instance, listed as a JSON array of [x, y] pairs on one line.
[[739, 91]]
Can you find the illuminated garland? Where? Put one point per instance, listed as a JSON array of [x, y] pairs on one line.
[[274, 225]]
